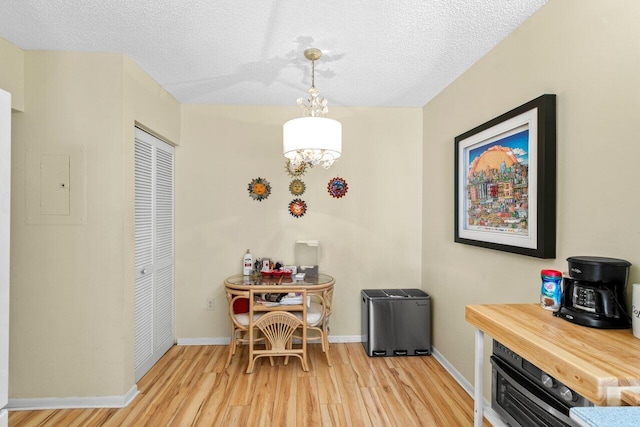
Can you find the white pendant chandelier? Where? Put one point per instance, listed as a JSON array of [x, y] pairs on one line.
[[312, 139]]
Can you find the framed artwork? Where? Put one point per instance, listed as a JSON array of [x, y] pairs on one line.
[[505, 181]]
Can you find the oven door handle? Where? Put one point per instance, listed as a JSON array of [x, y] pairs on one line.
[[534, 393]]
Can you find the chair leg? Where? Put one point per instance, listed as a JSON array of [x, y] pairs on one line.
[[305, 365], [250, 367], [325, 346], [228, 362], [251, 345], [232, 348], [267, 346], [289, 347]]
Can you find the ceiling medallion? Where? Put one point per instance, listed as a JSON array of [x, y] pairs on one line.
[[297, 187], [337, 187], [259, 189], [297, 208]]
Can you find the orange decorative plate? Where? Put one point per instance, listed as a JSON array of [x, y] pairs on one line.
[[259, 189], [297, 208]]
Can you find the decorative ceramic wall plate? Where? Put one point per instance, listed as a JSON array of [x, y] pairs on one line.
[[337, 187], [297, 208], [259, 189], [297, 187], [295, 172]]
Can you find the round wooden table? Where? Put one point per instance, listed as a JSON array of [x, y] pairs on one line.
[[319, 288], [313, 284]]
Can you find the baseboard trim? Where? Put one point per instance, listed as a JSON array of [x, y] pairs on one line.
[[203, 341], [73, 402], [491, 416], [225, 340], [345, 338], [466, 385]]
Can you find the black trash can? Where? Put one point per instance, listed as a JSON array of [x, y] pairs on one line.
[[396, 322]]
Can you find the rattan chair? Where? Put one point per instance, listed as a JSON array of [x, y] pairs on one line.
[[277, 326], [239, 326], [318, 315]]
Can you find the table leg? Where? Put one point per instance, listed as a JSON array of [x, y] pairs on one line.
[[478, 400]]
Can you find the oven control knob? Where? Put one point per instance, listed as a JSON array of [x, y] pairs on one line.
[[548, 381], [566, 394]]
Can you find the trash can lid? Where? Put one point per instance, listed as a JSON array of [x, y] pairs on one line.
[[374, 293], [395, 293], [416, 293]]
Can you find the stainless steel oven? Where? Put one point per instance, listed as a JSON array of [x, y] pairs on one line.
[[523, 395]]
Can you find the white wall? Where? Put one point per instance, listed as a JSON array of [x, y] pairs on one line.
[[588, 53]]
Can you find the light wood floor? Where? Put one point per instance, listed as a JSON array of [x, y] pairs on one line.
[[189, 387]]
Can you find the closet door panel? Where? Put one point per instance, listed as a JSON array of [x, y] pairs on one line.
[[163, 310], [143, 301], [154, 251]]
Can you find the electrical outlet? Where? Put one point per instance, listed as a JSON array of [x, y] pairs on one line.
[[210, 303]]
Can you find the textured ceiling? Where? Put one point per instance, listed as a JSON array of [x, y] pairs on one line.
[[375, 52]]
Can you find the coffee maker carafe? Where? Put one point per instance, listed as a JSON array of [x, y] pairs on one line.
[[594, 293]]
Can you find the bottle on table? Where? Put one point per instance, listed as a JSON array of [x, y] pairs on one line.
[[247, 263]]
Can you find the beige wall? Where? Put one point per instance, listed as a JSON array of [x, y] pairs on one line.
[[369, 239], [71, 315], [588, 53], [72, 293], [72, 281]]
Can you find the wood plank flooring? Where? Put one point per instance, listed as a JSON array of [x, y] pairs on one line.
[[190, 387]]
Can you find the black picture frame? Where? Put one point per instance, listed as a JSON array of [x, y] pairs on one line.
[[505, 181]]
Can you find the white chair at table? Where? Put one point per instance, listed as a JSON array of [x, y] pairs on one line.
[[277, 326]]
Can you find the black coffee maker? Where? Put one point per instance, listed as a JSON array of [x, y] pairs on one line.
[[594, 293]]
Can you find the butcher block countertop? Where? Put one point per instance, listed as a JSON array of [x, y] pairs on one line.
[[597, 363]]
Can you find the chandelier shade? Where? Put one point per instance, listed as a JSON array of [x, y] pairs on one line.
[[315, 140], [312, 139]]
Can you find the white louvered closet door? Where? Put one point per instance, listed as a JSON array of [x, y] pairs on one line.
[[154, 246]]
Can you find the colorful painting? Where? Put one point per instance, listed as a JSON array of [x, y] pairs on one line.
[[505, 181], [497, 188]]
